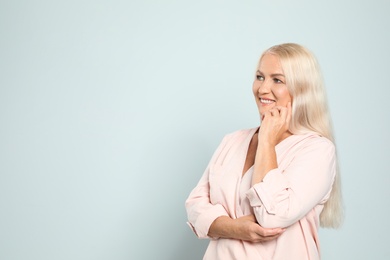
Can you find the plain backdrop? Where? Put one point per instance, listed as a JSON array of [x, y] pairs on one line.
[[110, 111]]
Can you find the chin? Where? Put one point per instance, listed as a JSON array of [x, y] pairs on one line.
[[262, 111]]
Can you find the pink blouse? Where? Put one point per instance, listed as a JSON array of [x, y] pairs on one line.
[[291, 196]]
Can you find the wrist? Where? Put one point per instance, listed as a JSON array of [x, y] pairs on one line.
[[266, 144], [222, 227]]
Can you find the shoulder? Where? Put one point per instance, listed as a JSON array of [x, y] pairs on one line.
[[321, 141], [313, 142]]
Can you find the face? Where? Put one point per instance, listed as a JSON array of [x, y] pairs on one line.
[[269, 87]]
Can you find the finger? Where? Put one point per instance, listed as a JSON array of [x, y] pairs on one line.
[[283, 112], [262, 239], [267, 114], [274, 111], [278, 108], [289, 112], [266, 232]]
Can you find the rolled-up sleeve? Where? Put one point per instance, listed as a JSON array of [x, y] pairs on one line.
[[272, 191], [200, 211], [286, 195], [201, 217]]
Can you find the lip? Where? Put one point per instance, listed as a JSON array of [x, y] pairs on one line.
[[266, 101]]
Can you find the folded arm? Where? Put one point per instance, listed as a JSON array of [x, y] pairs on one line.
[[245, 228], [284, 196]]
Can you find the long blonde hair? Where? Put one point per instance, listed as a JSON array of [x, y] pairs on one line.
[[310, 111]]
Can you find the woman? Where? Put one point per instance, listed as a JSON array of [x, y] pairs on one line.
[[266, 190]]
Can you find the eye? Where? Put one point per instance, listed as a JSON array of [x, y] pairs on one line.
[[278, 81], [259, 77]]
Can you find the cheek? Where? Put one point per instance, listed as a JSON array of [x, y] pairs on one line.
[[255, 88], [284, 95]]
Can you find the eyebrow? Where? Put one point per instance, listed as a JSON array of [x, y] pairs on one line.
[[273, 75]]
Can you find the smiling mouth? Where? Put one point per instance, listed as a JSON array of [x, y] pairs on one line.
[[266, 101]]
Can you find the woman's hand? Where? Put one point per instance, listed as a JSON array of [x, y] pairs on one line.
[[244, 228], [250, 230], [273, 129], [275, 124]]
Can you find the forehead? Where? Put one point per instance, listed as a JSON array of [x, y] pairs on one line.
[[270, 64]]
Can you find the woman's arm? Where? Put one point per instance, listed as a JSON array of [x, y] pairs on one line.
[[209, 220], [280, 198], [200, 211], [286, 195], [274, 128]]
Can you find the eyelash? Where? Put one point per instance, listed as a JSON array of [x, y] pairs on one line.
[[261, 78], [277, 80]]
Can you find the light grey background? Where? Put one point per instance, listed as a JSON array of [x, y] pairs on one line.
[[110, 111]]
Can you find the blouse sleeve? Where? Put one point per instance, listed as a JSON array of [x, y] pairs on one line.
[[285, 196], [201, 212]]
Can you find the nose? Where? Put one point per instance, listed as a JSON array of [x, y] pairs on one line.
[[264, 87]]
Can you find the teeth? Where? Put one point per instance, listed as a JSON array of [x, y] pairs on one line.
[[266, 101]]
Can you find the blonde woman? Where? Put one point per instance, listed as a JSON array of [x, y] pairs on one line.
[[267, 190]]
